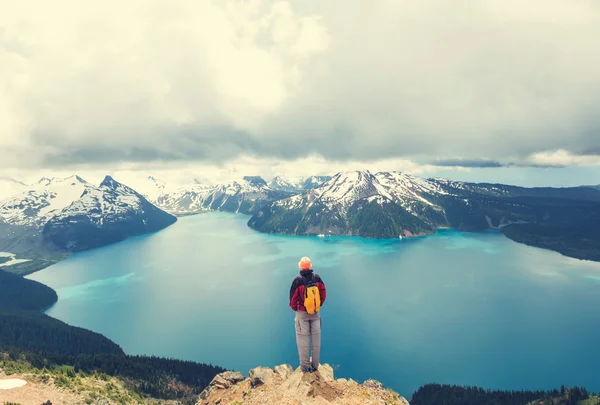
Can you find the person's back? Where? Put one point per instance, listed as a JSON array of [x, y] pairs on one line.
[[308, 325]]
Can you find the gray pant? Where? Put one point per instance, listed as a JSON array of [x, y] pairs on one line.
[[307, 327]]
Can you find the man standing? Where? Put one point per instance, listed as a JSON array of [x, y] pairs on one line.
[[307, 295]]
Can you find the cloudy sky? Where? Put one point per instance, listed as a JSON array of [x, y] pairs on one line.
[[498, 90]]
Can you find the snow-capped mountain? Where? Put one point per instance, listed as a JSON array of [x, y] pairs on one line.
[[244, 196], [150, 187], [70, 214], [352, 203], [41, 201], [297, 185], [105, 214], [314, 182], [10, 187], [392, 204]]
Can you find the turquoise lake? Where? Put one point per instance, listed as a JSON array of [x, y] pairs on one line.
[[455, 308]]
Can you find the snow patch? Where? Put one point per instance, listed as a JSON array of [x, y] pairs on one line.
[[11, 383], [13, 259]]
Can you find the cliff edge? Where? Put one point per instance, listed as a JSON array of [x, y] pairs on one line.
[[285, 386]]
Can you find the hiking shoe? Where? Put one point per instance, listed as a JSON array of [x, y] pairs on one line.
[[309, 370]]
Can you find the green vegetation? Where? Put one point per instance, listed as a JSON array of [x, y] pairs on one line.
[[388, 220], [90, 386], [146, 376], [34, 343], [39, 332], [435, 394], [17, 292], [580, 242], [564, 225], [563, 220]]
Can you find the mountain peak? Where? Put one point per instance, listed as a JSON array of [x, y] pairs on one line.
[[256, 181], [45, 180], [283, 384], [74, 178], [354, 175], [351, 185], [109, 182]]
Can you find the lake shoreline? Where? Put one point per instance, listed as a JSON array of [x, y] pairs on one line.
[[35, 264], [445, 264]]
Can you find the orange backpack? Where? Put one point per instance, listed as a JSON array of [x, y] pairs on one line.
[[312, 297]]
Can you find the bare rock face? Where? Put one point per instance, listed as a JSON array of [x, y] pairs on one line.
[[222, 381], [260, 375], [287, 386], [284, 371], [373, 384], [326, 372]]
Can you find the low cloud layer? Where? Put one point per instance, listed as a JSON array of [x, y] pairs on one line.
[[464, 84]]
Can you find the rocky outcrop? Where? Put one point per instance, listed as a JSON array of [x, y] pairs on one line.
[[286, 386], [221, 382]]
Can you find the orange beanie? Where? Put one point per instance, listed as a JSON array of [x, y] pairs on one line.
[[305, 264]]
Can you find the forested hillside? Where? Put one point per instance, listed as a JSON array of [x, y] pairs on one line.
[[17, 292], [435, 394], [148, 376]]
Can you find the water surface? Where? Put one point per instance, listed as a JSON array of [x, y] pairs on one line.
[[458, 308]]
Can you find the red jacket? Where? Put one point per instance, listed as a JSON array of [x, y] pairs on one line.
[[298, 287]]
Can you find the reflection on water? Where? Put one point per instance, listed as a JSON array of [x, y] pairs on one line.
[[456, 308]]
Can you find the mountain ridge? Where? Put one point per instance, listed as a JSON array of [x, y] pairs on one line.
[[398, 205], [245, 196], [58, 216]]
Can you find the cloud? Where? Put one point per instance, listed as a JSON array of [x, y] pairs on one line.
[[210, 81], [562, 158], [475, 163]]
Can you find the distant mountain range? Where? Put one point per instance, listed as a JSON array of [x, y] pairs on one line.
[[52, 218], [246, 195]]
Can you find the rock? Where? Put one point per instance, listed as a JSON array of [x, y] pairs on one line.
[[222, 381], [298, 383], [373, 384], [284, 371], [283, 385], [326, 372], [260, 375]]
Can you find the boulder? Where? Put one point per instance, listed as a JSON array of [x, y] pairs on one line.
[[326, 372], [260, 375], [284, 371], [221, 382], [298, 383]]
